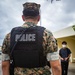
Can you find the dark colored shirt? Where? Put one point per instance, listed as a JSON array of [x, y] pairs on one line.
[[64, 52]]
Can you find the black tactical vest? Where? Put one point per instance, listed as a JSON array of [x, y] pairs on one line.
[[28, 52]]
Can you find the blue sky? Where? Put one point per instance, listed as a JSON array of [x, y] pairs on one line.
[[55, 16]]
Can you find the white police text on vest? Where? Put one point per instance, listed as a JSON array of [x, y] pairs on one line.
[[25, 37]]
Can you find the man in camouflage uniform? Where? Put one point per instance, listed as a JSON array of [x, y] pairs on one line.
[[49, 45]]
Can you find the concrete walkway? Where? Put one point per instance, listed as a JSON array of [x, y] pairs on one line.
[[71, 70]]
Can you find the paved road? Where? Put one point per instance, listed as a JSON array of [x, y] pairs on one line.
[[0, 70], [0, 64]]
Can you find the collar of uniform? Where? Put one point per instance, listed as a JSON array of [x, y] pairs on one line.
[[29, 24]]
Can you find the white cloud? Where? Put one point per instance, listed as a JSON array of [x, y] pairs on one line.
[[54, 16]]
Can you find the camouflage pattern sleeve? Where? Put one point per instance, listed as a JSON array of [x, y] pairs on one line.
[[49, 42], [50, 46], [5, 48], [6, 44]]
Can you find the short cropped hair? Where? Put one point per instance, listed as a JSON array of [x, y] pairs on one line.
[[31, 9], [64, 42]]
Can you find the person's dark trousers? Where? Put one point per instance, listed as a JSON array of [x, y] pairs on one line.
[[64, 66]]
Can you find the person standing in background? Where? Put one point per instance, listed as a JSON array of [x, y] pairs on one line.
[[64, 54]]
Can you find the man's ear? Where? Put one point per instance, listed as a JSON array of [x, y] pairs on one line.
[[23, 18], [39, 18]]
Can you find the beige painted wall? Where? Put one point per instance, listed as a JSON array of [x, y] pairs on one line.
[[71, 45]]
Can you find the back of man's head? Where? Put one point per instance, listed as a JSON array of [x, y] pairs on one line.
[[31, 9]]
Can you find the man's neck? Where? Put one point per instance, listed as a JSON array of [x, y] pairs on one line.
[[35, 22]]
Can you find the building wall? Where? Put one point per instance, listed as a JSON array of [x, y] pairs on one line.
[[0, 48], [66, 32], [71, 45]]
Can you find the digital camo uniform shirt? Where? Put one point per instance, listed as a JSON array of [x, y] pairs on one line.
[[50, 49]]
